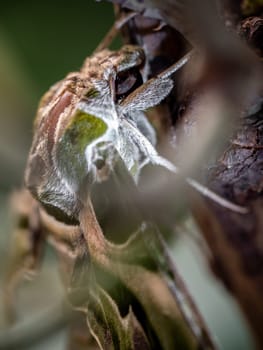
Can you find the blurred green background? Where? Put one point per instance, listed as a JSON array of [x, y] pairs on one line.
[[40, 42]]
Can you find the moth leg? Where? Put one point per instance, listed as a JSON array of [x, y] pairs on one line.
[[26, 248]]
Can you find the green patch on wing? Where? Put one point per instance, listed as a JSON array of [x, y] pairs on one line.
[[82, 130]]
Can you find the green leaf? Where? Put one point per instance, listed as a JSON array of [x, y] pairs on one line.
[[110, 329]]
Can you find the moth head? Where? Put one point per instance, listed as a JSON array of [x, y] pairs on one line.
[[129, 72], [115, 72]]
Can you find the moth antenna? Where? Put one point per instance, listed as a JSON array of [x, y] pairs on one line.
[[205, 191]]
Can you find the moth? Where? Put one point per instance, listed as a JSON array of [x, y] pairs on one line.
[[91, 119]]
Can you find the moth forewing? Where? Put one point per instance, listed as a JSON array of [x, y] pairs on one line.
[[148, 95], [153, 91]]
